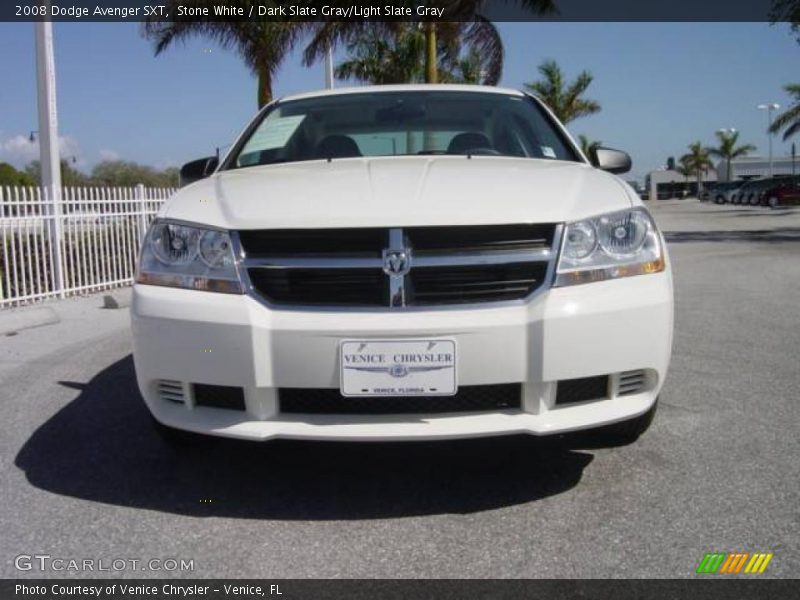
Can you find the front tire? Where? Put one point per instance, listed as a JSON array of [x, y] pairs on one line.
[[772, 202]]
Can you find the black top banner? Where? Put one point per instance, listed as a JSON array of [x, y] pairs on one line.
[[398, 10]]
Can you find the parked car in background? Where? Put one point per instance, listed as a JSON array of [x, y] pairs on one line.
[[739, 196], [720, 189], [730, 193], [748, 191], [752, 194], [709, 191], [745, 191], [785, 193]]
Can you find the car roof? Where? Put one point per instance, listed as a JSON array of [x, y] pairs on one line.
[[413, 87]]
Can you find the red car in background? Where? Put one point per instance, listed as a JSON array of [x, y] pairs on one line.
[[785, 194]]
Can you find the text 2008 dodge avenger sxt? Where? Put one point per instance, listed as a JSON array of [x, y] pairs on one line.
[[403, 263]]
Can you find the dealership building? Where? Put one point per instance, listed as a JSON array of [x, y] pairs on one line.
[[665, 183], [757, 167]]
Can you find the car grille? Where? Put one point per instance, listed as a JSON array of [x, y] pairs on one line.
[[439, 266], [473, 398], [337, 287], [455, 285]]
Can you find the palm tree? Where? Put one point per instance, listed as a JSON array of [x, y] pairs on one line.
[[263, 45], [469, 68], [473, 53], [684, 168], [563, 98], [790, 118], [471, 27], [588, 146], [381, 57], [786, 11], [698, 162], [728, 150]]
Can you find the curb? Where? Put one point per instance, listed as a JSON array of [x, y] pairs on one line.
[[27, 319]]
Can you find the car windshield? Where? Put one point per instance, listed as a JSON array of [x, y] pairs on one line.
[[400, 124]]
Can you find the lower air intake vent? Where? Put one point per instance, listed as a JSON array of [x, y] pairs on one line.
[[582, 390], [219, 396], [472, 398], [171, 391], [631, 382]]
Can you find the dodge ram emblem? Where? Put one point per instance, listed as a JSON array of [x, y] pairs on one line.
[[396, 263]]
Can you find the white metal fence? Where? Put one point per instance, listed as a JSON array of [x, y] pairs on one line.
[[76, 241]]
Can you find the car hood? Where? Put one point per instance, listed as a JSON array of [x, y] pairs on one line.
[[400, 192]]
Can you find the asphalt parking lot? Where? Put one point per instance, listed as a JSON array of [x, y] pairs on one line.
[[83, 475]]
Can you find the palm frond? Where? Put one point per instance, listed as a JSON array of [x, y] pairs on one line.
[[791, 130], [262, 45], [786, 118], [485, 44], [565, 100]]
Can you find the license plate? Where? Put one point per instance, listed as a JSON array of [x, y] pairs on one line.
[[398, 367]]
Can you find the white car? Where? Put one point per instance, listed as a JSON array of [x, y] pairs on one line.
[[403, 263]]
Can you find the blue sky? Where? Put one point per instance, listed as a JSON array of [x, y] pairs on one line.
[[661, 85]]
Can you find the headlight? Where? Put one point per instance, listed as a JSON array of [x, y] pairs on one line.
[[185, 256], [615, 245]]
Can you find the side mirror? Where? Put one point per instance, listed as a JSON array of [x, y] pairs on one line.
[[197, 170], [613, 161]]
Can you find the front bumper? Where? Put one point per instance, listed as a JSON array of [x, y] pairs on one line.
[[603, 328]]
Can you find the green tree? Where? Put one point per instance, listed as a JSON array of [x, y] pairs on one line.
[[684, 168], [786, 11], [588, 146], [471, 67], [120, 173], [262, 45], [564, 99], [379, 59], [728, 150], [468, 26], [11, 176], [379, 56], [69, 175], [109, 173], [789, 120], [698, 161]]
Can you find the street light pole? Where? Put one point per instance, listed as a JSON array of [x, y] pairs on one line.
[[48, 116], [769, 108], [48, 144]]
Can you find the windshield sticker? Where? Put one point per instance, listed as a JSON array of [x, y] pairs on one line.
[[548, 151], [274, 133]]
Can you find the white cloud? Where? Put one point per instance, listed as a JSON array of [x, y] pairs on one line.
[[108, 155], [18, 150]]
